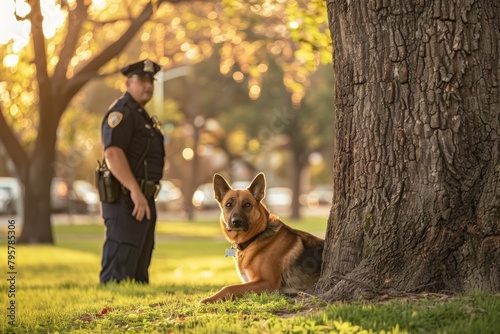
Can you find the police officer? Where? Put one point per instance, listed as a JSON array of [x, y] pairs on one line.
[[134, 153]]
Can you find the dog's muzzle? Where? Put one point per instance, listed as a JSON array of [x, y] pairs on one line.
[[237, 224]]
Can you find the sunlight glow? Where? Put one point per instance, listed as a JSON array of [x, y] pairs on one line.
[[12, 29], [19, 31], [99, 4], [14, 110], [53, 18], [10, 60]]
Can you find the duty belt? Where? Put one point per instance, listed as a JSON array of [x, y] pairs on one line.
[[150, 189]]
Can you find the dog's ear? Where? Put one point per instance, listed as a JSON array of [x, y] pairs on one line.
[[258, 187], [221, 187]]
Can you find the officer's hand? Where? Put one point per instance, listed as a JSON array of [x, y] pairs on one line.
[[141, 206]]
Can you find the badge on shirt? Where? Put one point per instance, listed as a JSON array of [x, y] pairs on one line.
[[114, 119], [157, 124]]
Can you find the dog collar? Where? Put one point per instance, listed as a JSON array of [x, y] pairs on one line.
[[234, 246], [247, 243]]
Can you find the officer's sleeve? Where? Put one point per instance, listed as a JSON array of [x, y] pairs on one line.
[[117, 130]]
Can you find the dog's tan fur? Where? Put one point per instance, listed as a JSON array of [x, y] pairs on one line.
[[270, 255]]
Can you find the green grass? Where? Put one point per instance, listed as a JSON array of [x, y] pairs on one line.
[[205, 228], [57, 290]]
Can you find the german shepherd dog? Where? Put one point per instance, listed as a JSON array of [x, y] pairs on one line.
[[269, 255]]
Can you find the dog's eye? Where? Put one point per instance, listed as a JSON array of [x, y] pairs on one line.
[[246, 205], [229, 204]]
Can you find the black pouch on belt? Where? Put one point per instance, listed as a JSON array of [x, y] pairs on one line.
[[150, 189], [106, 184]]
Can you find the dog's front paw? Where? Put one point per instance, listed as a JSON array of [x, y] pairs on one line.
[[205, 301]]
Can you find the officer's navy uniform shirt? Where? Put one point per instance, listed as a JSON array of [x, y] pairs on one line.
[[128, 126]]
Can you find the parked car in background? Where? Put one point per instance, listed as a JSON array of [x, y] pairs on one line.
[[83, 198], [7, 201], [240, 184], [170, 197], [82, 193], [59, 191], [320, 195], [203, 197], [278, 197], [10, 195]]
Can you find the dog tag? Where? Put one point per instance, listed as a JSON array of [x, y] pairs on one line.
[[230, 252]]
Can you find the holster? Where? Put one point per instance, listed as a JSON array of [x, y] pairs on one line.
[[107, 185], [150, 189]]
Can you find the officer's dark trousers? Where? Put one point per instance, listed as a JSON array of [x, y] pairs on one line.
[[129, 243]]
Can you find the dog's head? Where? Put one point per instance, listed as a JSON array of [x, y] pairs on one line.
[[241, 209]]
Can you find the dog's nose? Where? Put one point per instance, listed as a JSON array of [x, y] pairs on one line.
[[236, 221]]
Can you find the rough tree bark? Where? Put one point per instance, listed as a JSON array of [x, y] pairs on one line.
[[416, 157]]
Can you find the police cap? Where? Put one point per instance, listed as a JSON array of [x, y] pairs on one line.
[[143, 68]]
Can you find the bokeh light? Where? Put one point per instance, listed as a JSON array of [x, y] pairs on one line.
[[188, 154]]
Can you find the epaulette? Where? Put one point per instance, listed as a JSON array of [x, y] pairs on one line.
[[113, 104]]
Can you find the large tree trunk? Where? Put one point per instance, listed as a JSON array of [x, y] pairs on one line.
[[297, 170], [37, 227], [37, 179], [416, 157], [299, 152]]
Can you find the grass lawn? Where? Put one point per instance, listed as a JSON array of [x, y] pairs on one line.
[[57, 291]]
